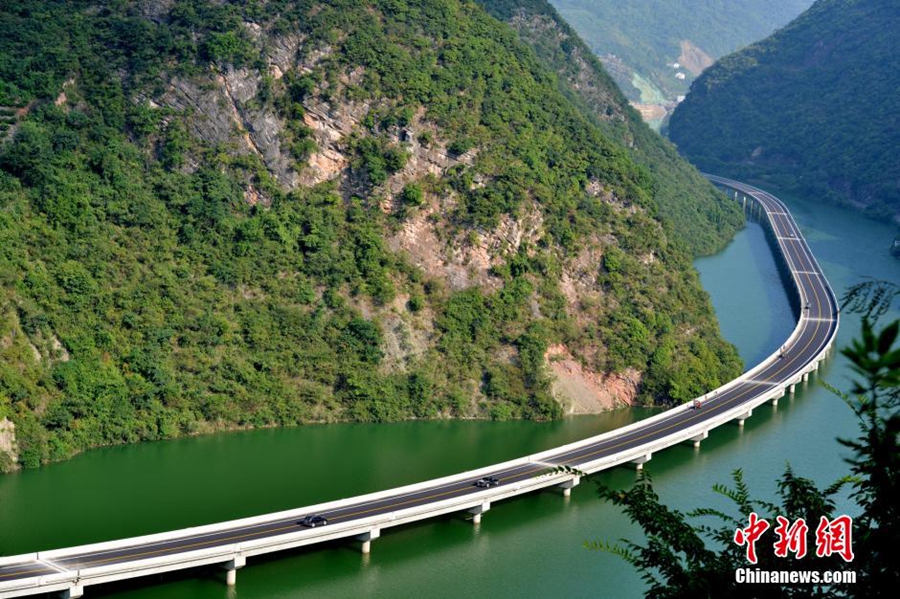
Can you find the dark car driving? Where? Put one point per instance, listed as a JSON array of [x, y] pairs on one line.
[[313, 521], [487, 481]]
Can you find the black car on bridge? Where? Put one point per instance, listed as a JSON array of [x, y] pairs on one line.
[[487, 481], [313, 521]]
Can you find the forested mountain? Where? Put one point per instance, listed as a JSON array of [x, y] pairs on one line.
[[232, 214], [685, 198], [813, 109], [639, 42]]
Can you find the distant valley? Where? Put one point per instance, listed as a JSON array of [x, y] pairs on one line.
[[654, 49]]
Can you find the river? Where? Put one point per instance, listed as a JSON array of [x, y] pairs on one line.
[[526, 547]]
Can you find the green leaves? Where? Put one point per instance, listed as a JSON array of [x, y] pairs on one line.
[[874, 358], [379, 158], [682, 559]]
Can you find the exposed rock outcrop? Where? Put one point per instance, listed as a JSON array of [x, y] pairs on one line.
[[587, 392], [9, 453]]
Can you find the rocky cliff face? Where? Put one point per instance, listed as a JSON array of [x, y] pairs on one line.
[[9, 454], [223, 107]]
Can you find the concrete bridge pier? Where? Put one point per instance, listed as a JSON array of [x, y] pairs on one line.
[[365, 540], [696, 440], [72, 592], [805, 376], [568, 485], [639, 462], [777, 397], [231, 569], [743, 417], [478, 510], [792, 388]]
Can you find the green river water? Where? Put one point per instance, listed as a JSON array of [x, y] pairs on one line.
[[527, 547]]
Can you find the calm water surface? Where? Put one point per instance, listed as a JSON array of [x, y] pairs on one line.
[[527, 547]]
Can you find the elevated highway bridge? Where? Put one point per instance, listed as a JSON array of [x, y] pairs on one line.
[[361, 519]]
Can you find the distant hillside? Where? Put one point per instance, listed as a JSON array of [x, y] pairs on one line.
[[640, 41], [814, 108], [239, 214], [685, 198]]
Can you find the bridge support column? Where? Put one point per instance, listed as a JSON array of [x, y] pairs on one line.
[[639, 462], [743, 417], [805, 376], [478, 510], [231, 569], [777, 397], [699, 438], [792, 388], [365, 540], [568, 485], [72, 592]]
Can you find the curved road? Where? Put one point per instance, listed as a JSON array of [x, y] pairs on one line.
[[816, 330]]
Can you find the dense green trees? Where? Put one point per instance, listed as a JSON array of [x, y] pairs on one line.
[[143, 297]]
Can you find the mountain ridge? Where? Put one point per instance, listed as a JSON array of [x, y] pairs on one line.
[[685, 198]]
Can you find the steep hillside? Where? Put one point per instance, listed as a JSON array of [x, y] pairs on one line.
[[218, 215], [640, 42], [814, 108], [693, 207]]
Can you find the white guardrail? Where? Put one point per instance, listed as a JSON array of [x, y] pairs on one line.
[[72, 582]]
